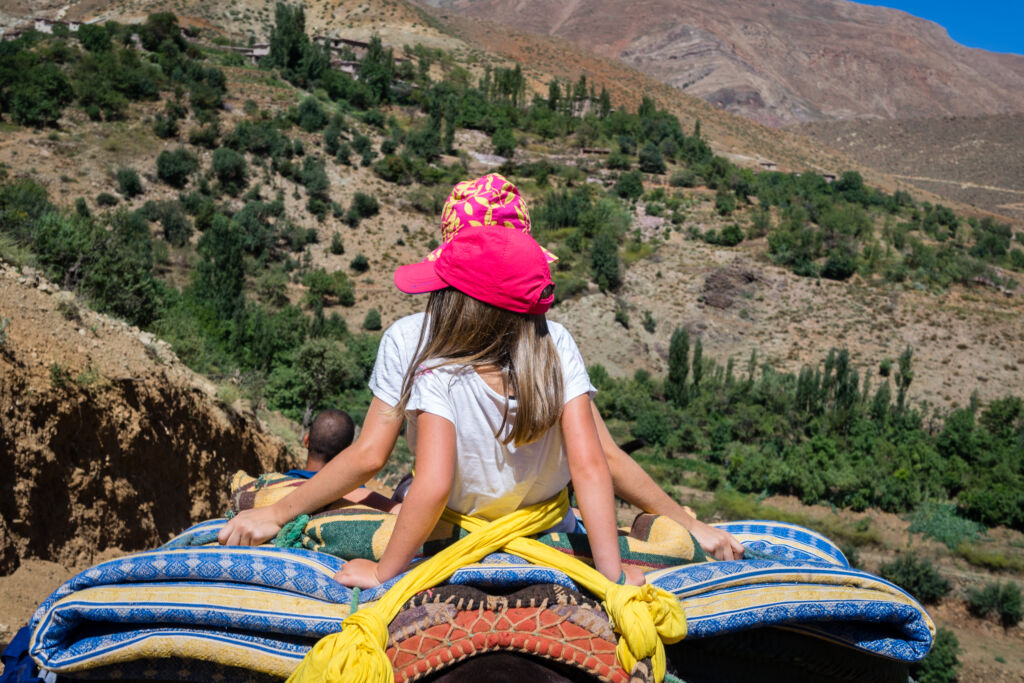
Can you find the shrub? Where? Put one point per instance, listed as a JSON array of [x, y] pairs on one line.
[[128, 182], [231, 169], [629, 185], [359, 264], [918, 577], [650, 159], [839, 265], [997, 598], [941, 662], [622, 317], [175, 166], [106, 199], [337, 246], [683, 178], [365, 205], [372, 320], [940, 521], [725, 202], [504, 142], [604, 260], [649, 323]]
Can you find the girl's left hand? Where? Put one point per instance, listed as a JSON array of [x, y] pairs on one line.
[[634, 575], [358, 573]]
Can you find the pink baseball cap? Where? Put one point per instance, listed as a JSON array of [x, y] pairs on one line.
[[504, 268], [490, 200]]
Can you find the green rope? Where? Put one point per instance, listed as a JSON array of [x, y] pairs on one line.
[[290, 535], [354, 605], [262, 481], [672, 678]]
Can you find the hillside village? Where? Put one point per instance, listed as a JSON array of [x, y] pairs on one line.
[[218, 220]]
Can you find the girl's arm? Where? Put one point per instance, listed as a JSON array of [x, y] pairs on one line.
[[634, 485], [422, 508], [345, 472], [593, 484]]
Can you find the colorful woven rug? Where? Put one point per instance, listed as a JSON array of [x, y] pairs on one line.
[[189, 611]]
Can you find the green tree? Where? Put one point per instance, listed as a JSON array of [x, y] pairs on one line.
[[39, 95], [505, 142], [219, 276], [604, 261], [629, 185], [175, 166], [650, 160], [231, 169], [377, 70], [322, 367], [288, 40], [678, 367], [372, 320]]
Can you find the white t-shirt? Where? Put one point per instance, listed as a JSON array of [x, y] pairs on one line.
[[491, 478]]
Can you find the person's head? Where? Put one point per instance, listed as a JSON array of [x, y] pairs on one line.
[[489, 291], [330, 434]]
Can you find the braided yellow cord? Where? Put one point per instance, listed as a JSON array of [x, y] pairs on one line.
[[644, 616]]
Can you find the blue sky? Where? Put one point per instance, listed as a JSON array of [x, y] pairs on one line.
[[996, 25]]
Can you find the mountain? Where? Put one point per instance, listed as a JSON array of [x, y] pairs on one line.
[[781, 62]]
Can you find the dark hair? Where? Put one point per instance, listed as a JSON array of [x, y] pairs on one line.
[[330, 434]]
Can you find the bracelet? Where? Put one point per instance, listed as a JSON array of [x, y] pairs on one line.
[[622, 578]]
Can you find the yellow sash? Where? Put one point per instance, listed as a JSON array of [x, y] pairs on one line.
[[644, 616]]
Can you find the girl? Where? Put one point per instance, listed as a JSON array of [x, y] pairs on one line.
[[493, 421]]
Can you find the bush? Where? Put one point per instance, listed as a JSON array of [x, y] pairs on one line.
[[941, 663], [504, 142], [359, 264], [128, 182], [725, 202], [997, 598], [629, 185], [175, 166], [337, 246], [839, 265], [939, 520], [917, 577], [365, 205], [648, 322], [650, 159], [106, 199], [231, 169], [372, 320]]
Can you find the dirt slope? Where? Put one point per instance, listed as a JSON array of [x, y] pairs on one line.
[[106, 438]]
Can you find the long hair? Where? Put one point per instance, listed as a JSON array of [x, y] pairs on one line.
[[461, 330]]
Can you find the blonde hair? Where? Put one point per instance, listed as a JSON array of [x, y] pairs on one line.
[[461, 330]]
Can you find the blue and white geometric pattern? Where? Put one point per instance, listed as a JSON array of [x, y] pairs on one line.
[[188, 607]]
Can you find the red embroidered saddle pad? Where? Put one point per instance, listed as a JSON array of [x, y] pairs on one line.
[[549, 628]]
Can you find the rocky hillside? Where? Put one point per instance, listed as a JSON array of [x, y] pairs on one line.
[[785, 61], [970, 159], [107, 440]]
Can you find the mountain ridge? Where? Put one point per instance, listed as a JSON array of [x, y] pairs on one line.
[[786, 62]]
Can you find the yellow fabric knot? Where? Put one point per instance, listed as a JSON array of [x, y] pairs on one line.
[[353, 655], [645, 617]]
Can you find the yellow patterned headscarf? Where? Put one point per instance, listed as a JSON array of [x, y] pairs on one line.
[[487, 201]]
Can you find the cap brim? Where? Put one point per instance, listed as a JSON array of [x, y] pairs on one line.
[[418, 278]]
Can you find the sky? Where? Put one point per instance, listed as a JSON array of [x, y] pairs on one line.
[[995, 25]]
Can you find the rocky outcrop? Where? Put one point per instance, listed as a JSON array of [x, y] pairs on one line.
[[106, 439]]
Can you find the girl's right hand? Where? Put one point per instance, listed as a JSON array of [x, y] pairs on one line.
[[249, 527], [358, 573]]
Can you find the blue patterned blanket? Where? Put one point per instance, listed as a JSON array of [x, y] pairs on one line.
[[193, 611]]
